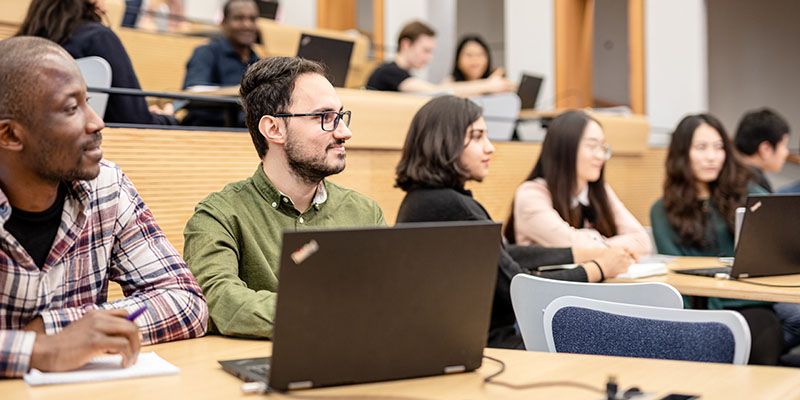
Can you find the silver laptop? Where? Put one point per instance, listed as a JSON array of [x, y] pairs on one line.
[[367, 305]]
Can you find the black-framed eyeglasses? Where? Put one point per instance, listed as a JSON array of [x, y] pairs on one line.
[[329, 120]]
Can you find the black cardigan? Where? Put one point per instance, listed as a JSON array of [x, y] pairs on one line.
[[95, 39], [444, 204]]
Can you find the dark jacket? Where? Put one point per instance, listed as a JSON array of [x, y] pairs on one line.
[[441, 205], [95, 39]]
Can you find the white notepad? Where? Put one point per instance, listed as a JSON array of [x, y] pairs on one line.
[[105, 368], [642, 270]]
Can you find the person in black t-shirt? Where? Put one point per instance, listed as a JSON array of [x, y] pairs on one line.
[[415, 46]]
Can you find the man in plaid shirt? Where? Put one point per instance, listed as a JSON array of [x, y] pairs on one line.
[[69, 223]]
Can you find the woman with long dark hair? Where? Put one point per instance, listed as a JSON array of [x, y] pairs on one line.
[[565, 200], [77, 26], [473, 60], [446, 147], [705, 183]]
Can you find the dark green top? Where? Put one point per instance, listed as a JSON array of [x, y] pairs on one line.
[[233, 244], [718, 236]]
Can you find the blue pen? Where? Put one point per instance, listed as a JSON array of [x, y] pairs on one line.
[[136, 313]]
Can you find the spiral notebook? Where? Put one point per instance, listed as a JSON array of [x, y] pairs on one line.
[[105, 368]]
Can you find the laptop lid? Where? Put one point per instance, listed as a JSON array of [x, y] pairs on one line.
[[368, 305], [528, 90], [333, 53], [267, 9], [768, 240]]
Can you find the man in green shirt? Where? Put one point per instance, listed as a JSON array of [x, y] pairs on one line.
[[233, 240]]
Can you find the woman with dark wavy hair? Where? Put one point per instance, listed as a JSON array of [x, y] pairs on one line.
[[565, 200], [445, 148], [77, 25], [705, 183]]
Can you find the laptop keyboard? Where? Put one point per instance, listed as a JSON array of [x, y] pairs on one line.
[[262, 369]]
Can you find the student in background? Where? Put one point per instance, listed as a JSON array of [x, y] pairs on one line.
[[223, 60], [763, 140], [76, 25], [473, 61], [446, 147], [705, 183], [70, 222], [565, 201], [415, 47]]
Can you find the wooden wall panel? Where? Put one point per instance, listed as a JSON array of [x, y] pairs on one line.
[[574, 32], [636, 32], [174, 170]]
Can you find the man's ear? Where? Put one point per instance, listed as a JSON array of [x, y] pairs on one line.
[[10, 135], [272, 129], [765, 149]]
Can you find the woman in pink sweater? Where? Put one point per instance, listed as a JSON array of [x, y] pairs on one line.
[[565, 201]]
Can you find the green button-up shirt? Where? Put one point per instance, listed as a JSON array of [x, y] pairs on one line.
[[233, 245]]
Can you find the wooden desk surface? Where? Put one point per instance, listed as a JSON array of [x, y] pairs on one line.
[[202, 378], [709, 287]]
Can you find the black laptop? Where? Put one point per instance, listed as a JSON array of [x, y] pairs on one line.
[[267, 8], [333, 53], [528, 91], [768, 243], [368, 305]]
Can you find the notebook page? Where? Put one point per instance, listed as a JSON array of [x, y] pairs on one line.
[[105, 368]]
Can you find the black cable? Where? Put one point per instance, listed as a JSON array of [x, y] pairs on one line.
[[535, 385]]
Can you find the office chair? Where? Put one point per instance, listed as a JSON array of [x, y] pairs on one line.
[[97, 73], [531, 294], [586, 326]]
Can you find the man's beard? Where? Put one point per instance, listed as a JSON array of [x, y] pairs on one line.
[[44, 164], [311, 169]]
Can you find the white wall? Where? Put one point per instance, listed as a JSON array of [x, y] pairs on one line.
[[530, 44], [485, 18], [611, 72], [753, 59], [676, 63], [442, 17], [298, 13]]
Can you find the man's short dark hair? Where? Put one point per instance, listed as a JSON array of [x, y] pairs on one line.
[[267, 88], [226, 9], [19, 75], [413, 31], [758, 126]]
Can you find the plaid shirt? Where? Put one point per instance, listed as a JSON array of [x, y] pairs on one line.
[[106, 233]]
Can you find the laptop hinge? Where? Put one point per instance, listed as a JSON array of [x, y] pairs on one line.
[[300, 385], [454, 369]]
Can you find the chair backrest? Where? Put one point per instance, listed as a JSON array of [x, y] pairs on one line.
[[587, 326], [531, 294], [97, 73], [500, 112]]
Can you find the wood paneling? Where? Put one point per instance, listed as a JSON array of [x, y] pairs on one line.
[[174, 170], [636, 51], [336, 14], [574, 33]]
